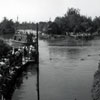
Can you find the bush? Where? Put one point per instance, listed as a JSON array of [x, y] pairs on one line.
[[7, 27], [4, 49]]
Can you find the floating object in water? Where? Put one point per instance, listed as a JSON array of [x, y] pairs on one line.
[[82, 59], [75, 99], [50, 58]]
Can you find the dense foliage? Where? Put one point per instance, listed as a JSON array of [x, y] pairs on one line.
[[25, 25], [72, 21], [4, 48], [7, 26]]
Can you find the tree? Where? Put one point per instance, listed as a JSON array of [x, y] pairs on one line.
[[4, 48], [72, 11], [7, 26], [74, 22], [62, 24], [96, 23], [42, 26], [53, 28]]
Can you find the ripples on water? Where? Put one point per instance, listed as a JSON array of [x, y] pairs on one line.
[[66, 72], [26, 84]]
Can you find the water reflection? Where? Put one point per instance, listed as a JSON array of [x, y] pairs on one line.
[[25, 86], [68, 42], [63, 75], [71, 48], [69, 52], [96, 85]]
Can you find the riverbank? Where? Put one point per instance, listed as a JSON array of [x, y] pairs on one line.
[[65, 40], [69, 41]]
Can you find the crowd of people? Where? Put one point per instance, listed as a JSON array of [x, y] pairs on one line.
[[12, 64]]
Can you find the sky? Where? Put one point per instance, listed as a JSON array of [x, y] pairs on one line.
[[44, 10]]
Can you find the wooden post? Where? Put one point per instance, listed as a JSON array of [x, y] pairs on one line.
[[37, 47]]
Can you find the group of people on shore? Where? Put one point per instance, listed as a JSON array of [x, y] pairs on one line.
[[12, 63]]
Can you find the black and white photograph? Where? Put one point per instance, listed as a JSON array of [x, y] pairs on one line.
[[49, 49]]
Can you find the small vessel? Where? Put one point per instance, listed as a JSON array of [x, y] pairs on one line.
[[22, 38]]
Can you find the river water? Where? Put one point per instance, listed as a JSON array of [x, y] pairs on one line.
[[66, 72]]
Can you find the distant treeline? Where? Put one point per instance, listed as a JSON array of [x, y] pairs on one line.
[[72, 21], [9, 26], [26, 25]]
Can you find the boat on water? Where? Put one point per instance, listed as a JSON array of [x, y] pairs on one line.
[[23, 38]]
